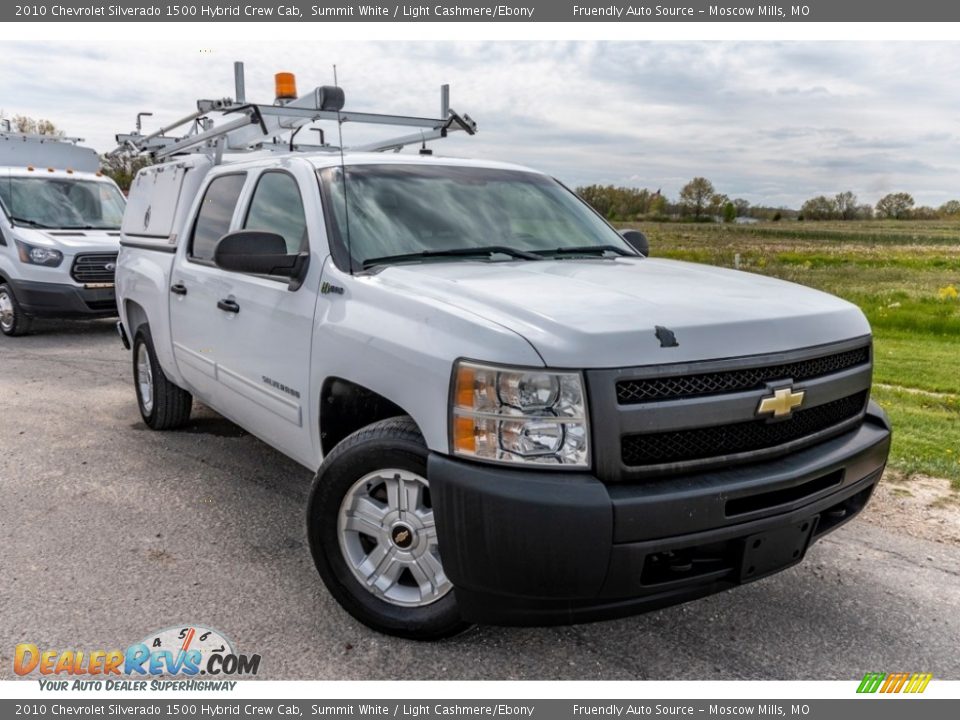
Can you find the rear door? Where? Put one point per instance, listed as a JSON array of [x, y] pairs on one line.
[[197, 325], [263, 356]]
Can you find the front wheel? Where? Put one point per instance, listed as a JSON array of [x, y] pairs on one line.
[[13, 321], [373, 534]]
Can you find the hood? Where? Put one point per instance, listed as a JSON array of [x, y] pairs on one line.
[[603, 313], [71, 242]]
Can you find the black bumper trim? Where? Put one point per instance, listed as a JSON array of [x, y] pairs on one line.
[[58, 300], [527, 547], [699, 501]]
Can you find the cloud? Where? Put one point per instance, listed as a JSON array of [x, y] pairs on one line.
[[772, 122]]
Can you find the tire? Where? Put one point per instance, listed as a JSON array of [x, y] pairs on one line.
[[380, 472], [13, 321], [168, 406]]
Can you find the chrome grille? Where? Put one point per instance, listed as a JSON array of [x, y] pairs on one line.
[[94, 268]]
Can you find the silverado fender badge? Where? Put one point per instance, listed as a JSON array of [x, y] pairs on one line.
[[666, 337]]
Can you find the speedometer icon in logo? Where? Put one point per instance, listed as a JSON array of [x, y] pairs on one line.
[[196, 642]]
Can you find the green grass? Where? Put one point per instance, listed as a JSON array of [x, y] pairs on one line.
[[925, 430], [895, 272]]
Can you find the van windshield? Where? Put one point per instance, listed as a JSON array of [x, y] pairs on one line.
[[62, 203], [404, 213]]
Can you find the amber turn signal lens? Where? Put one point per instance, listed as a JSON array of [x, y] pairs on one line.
[[464, 434], [466, 377], [286, 85]]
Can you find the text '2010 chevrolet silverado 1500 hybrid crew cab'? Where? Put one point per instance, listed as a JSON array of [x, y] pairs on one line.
[[59, 231], [515, 415]]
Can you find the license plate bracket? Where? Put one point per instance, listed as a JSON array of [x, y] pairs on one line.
[[768, 552]]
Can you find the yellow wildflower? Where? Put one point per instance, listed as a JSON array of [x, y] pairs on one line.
[[948, 293]]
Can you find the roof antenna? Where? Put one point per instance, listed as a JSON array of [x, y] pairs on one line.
[[343, 174], [424, 150]]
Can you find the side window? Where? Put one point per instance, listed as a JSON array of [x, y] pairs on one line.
[[216, 211], [277, 207]]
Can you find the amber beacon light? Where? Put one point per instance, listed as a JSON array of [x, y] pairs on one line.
[[286, 84]]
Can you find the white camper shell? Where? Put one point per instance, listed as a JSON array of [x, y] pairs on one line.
[[59, 231]]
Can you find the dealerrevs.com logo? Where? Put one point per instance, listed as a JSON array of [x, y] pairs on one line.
[[188, 652]]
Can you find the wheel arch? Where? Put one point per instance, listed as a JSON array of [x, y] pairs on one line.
[[347, 406], [136, 317]]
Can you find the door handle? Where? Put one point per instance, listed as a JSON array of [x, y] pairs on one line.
[[178, 289], [228, 306]]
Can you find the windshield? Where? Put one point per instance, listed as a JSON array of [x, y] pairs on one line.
[[398, 210], [62, 203]]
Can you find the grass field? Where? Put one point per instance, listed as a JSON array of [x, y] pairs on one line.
[[904, 275]]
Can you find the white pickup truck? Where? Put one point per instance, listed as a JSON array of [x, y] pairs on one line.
[[515, 416], [59, 231]]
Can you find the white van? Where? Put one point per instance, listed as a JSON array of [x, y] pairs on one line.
[[59, 231]]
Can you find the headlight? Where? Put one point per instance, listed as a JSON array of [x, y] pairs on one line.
[[36, 255], [519, 416]]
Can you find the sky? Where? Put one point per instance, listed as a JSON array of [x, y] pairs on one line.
[[774, 123]]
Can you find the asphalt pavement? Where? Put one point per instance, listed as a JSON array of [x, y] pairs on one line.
[[110, 531]]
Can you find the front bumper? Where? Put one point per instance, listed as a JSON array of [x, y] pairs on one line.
[[526, 547], [41, 299]]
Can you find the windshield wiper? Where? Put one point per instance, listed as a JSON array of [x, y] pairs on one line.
[[484, 251], [28, 221], [586, 250]]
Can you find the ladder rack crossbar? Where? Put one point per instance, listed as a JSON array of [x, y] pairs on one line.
[[349, 116]]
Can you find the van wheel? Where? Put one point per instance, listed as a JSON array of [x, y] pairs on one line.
[[163, 405], [373, 536], [13, 321]]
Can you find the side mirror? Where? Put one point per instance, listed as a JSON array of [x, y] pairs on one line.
[[637, 240], [260, 253]]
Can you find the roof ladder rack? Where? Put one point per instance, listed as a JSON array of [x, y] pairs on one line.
[[246, 126]]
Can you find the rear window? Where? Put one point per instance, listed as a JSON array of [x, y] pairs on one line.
[[216, 212]]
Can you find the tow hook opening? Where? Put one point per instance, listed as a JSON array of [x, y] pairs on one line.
[[843, 511], [682, 564]]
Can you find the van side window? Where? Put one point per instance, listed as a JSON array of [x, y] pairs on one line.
[[277, 207], [216, 211]]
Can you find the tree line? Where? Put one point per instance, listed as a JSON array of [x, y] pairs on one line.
[[892, 206], [699, 201]]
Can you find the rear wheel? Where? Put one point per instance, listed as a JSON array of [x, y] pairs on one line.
[[163, 405], [13, 321], [373, 534]]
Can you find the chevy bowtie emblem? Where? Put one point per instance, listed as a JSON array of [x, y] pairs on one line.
[[781, 403]]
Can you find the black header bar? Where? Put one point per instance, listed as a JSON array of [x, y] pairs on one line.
[[851, 11]]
